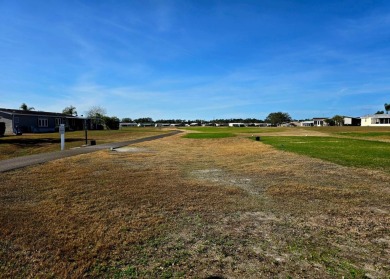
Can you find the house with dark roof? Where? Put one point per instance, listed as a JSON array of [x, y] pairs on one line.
[[21, 121]]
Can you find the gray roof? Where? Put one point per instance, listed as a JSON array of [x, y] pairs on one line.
[[36, 113], [377, 116]]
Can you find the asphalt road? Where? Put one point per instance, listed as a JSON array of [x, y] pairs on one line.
[[24, 161]]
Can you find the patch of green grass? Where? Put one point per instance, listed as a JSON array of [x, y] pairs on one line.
[[343, 151], [208, 135], [352, 271], [128, 272], [383, 135], [347, 129]]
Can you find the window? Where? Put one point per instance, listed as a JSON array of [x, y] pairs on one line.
[[384, 120], [43, 122], [58, 121]]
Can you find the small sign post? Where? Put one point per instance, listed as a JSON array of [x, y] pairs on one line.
[[62, 133]]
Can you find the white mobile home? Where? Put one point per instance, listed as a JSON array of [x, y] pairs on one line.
[[237, 125], [376, 120], [128, 124], [307, 123]]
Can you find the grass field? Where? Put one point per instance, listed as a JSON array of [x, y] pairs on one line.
[[214, 135], [191, 208], [365, 134], [337, 129], [234, 130], [344, 151]]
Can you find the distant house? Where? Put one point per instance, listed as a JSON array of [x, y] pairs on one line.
[[352, 121], [20, 121], [163, 125], [288, 124], [376, 120], [147, 124], [128, 124], [307, 123], [259, 124], [320, 121], [237, 125]]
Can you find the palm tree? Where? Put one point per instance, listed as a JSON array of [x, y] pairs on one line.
[[25, 107], [387, 108], [71, 110]]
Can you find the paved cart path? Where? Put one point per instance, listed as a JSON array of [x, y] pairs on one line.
[[24, 161]]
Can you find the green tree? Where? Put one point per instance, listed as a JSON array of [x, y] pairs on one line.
[[111, 123], [380, 112], [387, 107], [277, 118], [338, 120], [26, 108], [144, 120], [330, 121], [126, 120], [71, 110]]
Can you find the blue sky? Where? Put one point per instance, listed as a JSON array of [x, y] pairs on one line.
[[196, 59]]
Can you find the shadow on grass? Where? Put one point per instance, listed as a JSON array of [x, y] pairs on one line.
[[34, 142]]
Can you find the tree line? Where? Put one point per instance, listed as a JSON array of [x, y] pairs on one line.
[[273, 118]]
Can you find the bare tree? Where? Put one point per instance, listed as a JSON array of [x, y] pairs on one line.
[[96, 111], [97, 115]]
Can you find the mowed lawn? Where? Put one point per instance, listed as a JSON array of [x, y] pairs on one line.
[[184, 207], [234, 130], [370, 133], [344, 151]]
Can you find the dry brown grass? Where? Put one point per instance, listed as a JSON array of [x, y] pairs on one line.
[[27, 144], [193, 208]]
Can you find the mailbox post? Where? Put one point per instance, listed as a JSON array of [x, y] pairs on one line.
[[62, 133], [86, 131]]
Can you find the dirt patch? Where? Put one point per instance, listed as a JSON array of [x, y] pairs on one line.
[[223, 178], [131, 149]]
